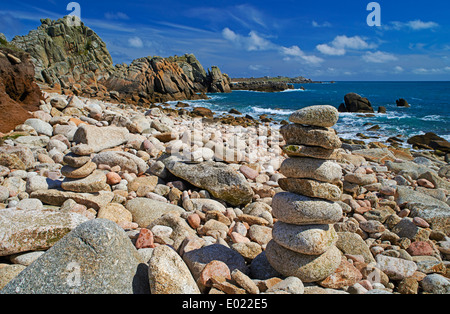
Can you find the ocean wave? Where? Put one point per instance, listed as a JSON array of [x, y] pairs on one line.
[[296, 90], [259, 110], [433, 118]]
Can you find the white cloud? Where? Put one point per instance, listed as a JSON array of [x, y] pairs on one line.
[[136, 42], [432, 70], [298, 54], [252, 42], [379, 57], [116, 16], [415, 25], [398, 69], [419, 25], [331, 51], [324, 24], [340, 45]]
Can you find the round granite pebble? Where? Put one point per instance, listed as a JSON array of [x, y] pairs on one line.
[[324, 116], [302, 210], [321, 170], [308, 268], [311, 188], [309, 240]]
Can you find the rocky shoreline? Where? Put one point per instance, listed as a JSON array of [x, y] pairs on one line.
[[98, 197]]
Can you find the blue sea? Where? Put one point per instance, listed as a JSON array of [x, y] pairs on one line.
[[429, 111]]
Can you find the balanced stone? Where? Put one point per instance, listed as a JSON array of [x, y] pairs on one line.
[[311, 188], [309, 240], [302, 210], [308, 268], [76, 161], [78, 173], [96, 182], [296, 134], [311, 151], [321, 170], [323, 116]]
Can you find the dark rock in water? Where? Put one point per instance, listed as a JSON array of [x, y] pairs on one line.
[[234, 111], [381, 109], [19, 93], [402, 103], [430, 141], [218, 82], [356, 103], [202, 112]]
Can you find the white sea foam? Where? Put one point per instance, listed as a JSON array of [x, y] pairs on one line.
[[436, 118], [296, 90], [259, 110]]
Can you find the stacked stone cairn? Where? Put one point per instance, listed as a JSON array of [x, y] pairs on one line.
[[304, 239], [82, 175]]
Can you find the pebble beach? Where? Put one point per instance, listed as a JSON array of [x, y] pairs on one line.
[[99, 197]]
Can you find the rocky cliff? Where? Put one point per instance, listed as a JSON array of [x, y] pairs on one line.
[[19, 93], [66, 54], [74, 59], [153, 78]]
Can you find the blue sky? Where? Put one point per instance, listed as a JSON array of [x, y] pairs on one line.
[[322, 40]]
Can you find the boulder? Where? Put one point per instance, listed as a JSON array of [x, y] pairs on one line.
[[222, 181], [99, 139], [321, 170], [302, 210], [196, 260], [395, 268], [126, 161], [402, 103], [16, 157], [33, 230], [311, 188], [296, 134], [356, 103], [94, 183], [308, 268], [309, 239], [57, 198], [311, 152], [432, 210], [95, 258], [145, 210], [168, 274], [322, 116], [430, 141]]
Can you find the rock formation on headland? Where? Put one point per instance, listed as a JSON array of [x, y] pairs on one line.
[[66, 54], [71, 57]]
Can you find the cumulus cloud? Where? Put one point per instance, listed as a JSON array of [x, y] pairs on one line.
[[415, 25], [324, 24], [135, 42], [379, 57], [340, 45], [298, 54], [252, 42], [255, 42]]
